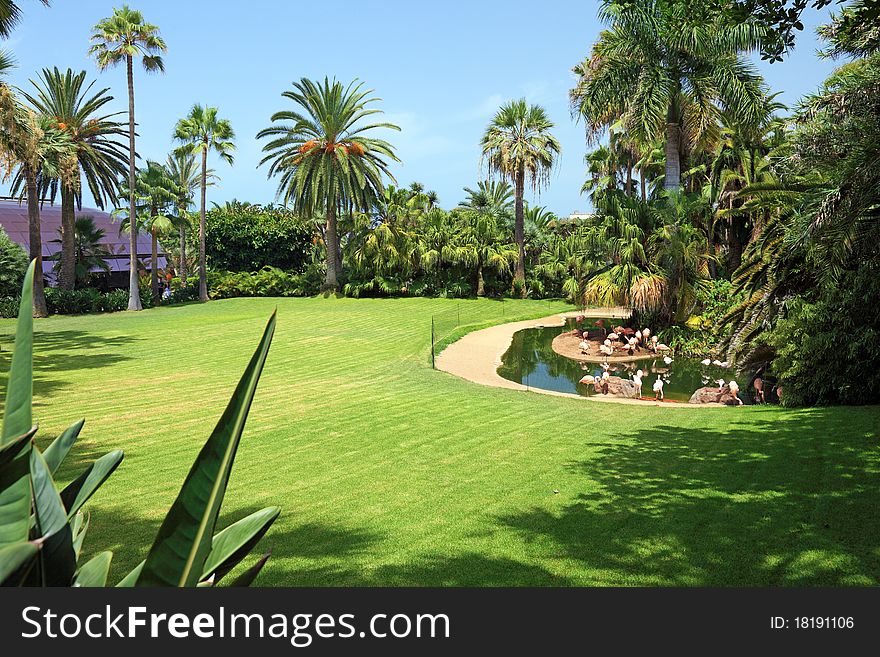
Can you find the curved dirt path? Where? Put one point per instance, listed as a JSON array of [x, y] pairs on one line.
[[477, 356]]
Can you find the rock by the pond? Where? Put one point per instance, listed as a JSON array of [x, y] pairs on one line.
[[617, 387], [709, 395]]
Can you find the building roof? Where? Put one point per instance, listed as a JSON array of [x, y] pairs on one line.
[[14, 219]]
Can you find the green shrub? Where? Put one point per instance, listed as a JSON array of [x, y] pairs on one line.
[[9, 306], [13, 264], [115, 301], [267, 282], [74, 302], [242, 238], [826, 348]]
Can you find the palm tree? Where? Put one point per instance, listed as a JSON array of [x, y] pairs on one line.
[[201, 132], [10, 14], [155, 193], [101, 158], [489, 196], [120, 38], [659, 74], [30, 141], [89, 252], [324, 159], [518, 146], [183, 170]]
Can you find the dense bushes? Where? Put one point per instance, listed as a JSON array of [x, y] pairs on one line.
[[13, 264], [241, 237], [267, 282], [826, 349]]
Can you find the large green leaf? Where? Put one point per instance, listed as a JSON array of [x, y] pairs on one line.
[[17, 416], [57, 560], [15, 556], [78, 527], [178, 554], [94, 572], [77, 492], [15, 483], [247, 577], [59, 448], [234, 543]]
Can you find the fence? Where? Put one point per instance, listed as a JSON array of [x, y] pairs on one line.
[[449, 325]]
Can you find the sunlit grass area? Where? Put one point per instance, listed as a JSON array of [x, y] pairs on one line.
[[390, 473]]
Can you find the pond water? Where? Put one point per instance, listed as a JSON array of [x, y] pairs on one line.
[[531, 361]]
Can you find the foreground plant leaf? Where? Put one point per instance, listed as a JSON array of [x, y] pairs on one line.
[[234, 543], [247, 577], [59, 448], [57, 559], [14, 557], [15, 482], [94, 572], [183, 543], [81, 489]]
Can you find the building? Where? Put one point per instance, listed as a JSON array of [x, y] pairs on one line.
[[14, 219]]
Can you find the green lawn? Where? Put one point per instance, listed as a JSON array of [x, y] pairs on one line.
[[389, 473]]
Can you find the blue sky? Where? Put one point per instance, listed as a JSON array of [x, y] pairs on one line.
[[440, 69]]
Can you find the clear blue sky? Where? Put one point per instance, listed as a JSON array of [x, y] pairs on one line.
[[440, 68]]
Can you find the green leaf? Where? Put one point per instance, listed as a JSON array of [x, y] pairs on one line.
[[15, 556], [247, 577], [11, 449], [235, 542], [59, 448], [131, 579], [17, 416], [79, 527], [15, 497], [178, 554], [94, 572], [57, 558], [77, 492]]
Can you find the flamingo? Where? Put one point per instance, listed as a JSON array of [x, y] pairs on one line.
[[667, 360], [706, 361], [716, 362], [724, 363]]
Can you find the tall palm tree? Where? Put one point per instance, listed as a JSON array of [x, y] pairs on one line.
[[660, 74], [201, 132], [183, 170], [101, 157], [324, 159], [38, 148], [518, 146], [117, 39]]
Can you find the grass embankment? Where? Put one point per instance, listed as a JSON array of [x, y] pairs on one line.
[[389, 473]]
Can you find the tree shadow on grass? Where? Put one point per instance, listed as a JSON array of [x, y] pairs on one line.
[[65, 351], [788, 503]]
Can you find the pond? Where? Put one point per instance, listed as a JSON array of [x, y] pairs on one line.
[[531, 361]]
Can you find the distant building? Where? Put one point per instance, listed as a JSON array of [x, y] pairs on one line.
[[13, 218], [580, 216]]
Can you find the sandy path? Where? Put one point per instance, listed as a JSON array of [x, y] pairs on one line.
[[477, 356]]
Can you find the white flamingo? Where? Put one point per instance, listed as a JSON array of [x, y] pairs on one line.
[[667, 360], [706, 361]]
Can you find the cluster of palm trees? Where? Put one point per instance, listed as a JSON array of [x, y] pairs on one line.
[[59, 134]]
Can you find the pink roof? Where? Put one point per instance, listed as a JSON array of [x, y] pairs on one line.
[[13, 218]]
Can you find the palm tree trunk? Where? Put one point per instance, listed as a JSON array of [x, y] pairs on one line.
[[35, 242], [134, 292], [629, 178], [481, 291], [331, 280], [672, 181], [67, 273], [182, 268], [154, 257], [519, 278], [203, 272], [643, 184]]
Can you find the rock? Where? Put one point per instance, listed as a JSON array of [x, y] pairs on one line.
[[708, 395], [619, 387]]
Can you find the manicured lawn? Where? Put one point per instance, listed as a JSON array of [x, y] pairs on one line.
[[390, 473]]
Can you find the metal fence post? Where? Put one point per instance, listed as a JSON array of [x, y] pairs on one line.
[[432, 343]]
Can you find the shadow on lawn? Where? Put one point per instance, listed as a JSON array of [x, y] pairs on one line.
[[789, 502], [65, 351]]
